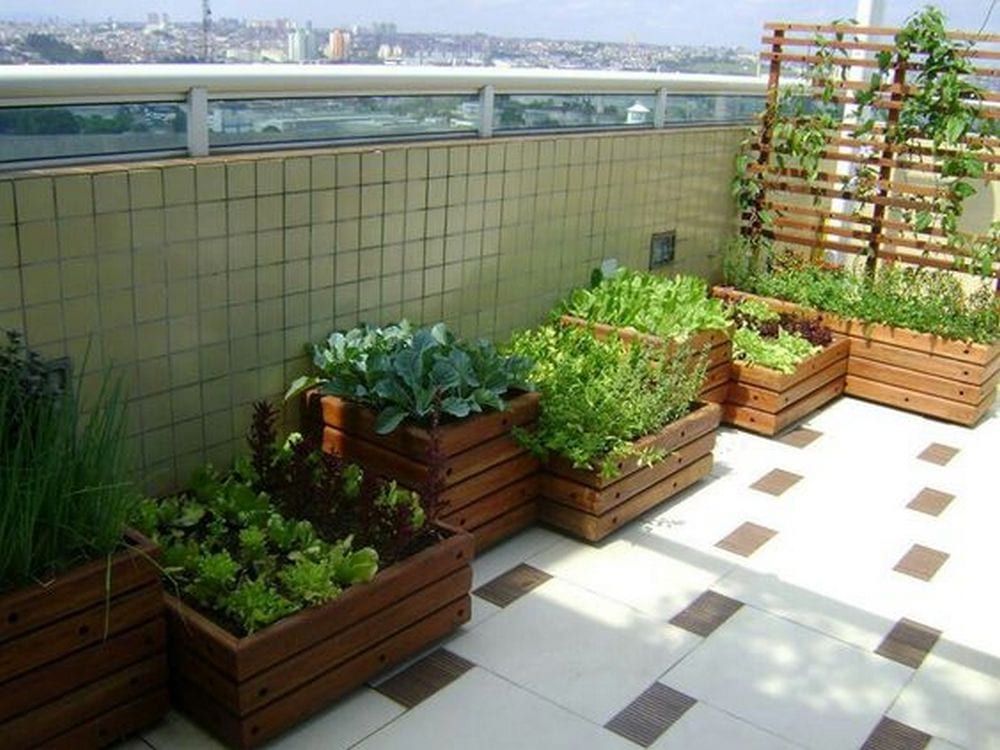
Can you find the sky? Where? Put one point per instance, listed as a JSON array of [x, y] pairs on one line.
[[691, 22]]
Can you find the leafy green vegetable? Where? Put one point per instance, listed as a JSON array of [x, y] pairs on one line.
[[600, 395], [673, 308], [405, 374], [783, 353]]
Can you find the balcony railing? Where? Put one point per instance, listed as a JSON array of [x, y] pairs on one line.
[[86, 113]]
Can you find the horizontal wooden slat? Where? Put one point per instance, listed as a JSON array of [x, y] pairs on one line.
[[853, 44], [141, 712], [867, 63], [771, 424], [890, 31], [923, 382], [922, 403], [494, 504]]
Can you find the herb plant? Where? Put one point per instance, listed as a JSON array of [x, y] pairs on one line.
[[673, 308], [65, 492], [407, 374], [599, 395], [289, 528]]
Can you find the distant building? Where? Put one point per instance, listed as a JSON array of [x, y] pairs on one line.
[[301, 44], [638, 114], [339, 44]]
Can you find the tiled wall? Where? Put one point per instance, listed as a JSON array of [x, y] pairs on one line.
[[203, 280]]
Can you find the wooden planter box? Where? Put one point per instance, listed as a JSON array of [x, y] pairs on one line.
[[944, 378], [720, 353], [82, 665], [767, 401], [247, 690], [586, 505], [490, 482]]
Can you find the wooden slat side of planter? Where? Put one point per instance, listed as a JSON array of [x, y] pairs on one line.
[[699, 340], [774, 380], [493, 505], [485, 483], [115, 724], [415, 441], [242, 697], [92, 663], [930, 364], [499, 528], [62, 714], [244, 657], [586, 498], [78, 631], [594, 528], [922, 403], [292, 708], [772, 402], [716, 395], [771, 424], [933, 385], [31, 607], [717, 376], [698, 422]]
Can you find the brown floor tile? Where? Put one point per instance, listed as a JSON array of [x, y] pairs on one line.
[[931, 502], [775, 482], [939, 454], [421, 680], [650, 715], [706, 613], [908, 643], [894, 735], [746, 539], [921, 562], [799, 438], [512, 585]]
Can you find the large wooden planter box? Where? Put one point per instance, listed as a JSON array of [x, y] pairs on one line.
[[586, 505], [767, 401], [490, 482], [944, 378], [247, 690], [718, 345], [83, 664]]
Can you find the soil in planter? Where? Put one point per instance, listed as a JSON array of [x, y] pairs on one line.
[[482, 479], [589, 506], [81, 665]]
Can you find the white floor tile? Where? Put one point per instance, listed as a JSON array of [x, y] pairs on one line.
[[343, 725], [705, 728], [951, 698], [807, 687], [481, 710], [587, 653], [512, 552]]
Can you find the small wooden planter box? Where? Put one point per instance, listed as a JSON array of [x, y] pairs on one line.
[[65, 681], [248, 690], [490, 481], [720, 353], [586, 505], [768, 401], [944, 378]]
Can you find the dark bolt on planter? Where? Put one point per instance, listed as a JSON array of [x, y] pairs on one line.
[[248, 690], [488, 481], [584, 504], [83, 664]]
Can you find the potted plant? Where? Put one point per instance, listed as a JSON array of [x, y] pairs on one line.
[[294, 579], [785, 366], [82, 636], [620, 430], [920, 339], [434, 413], [662, 311]]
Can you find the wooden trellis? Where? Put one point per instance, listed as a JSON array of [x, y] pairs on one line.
[[829, 211]]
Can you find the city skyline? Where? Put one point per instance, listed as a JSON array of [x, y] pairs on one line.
[[716, 22]]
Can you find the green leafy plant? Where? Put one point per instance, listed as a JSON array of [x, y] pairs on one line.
[[599, 395], [673, 308], [407, 374], [65, 490]]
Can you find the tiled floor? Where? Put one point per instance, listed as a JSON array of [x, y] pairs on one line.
[[855, 620]]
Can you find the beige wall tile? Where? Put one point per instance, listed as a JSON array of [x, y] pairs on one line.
[[35, 199], [7, 213], [74, 195]]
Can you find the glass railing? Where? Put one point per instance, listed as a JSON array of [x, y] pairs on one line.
[[67, 114]]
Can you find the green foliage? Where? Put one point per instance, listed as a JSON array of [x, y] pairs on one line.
[[407, 374], [231, 552], [673, 308], [65, 492], [600, 395], [921, 299], [782, 353]]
